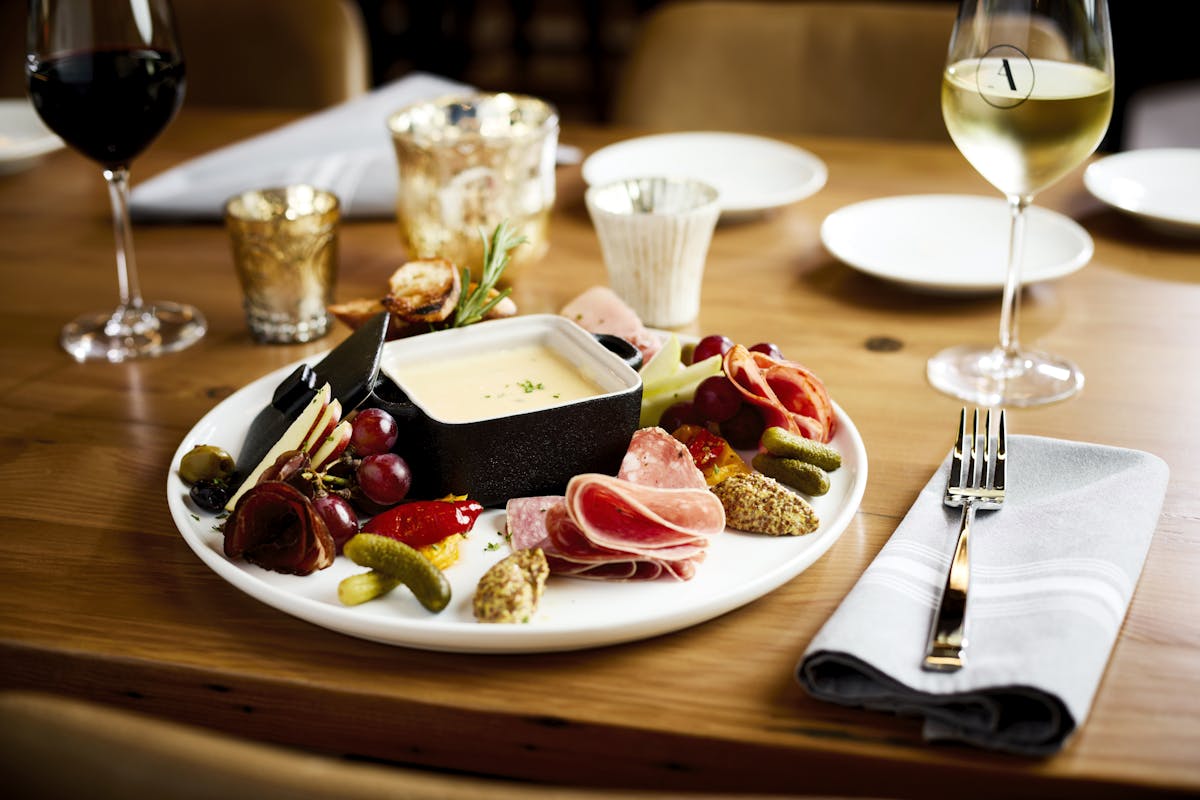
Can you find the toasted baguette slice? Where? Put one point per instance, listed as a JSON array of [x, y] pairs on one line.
[[423, 291], [355, 313]]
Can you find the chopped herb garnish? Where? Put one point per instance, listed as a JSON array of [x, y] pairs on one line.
[[474, 305], [490, 546], [196, 517], [529, 386]]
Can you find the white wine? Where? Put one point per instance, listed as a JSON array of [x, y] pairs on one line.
[[1024, 124]]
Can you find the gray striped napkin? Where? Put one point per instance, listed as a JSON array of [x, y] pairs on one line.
[[1052, 574]]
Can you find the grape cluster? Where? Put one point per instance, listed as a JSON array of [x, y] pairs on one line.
[[381, 478], [717, 403]]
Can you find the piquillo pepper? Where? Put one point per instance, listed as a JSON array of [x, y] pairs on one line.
[[712, 454], [425, 522]]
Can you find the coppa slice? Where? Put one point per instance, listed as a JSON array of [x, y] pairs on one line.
[[786, 393], [292, 439]]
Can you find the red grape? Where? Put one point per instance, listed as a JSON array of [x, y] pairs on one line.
[[709, 346], [681, 413], [768, 348], [717, 399], [374, 432], [744, 429], [384, 478], [339, 518]]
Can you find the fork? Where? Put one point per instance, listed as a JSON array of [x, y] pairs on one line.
[[976, 482]]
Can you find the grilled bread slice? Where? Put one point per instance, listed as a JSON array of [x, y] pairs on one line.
[[423, 291]]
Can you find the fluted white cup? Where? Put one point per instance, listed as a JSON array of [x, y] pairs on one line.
[[654, 235]]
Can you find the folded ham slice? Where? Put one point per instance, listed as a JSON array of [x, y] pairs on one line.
[[654, 519], [600, 310]]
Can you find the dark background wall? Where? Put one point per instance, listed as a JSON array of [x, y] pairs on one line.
[[570, 51]]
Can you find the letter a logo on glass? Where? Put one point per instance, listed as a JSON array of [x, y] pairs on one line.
[[1005, 76]]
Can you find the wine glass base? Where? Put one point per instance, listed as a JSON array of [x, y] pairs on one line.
[[991, 377], [130, 332]]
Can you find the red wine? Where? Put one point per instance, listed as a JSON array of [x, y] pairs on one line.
[[108, 104]]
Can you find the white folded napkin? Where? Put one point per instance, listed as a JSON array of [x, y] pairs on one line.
[[1052, 574], [346, 149]]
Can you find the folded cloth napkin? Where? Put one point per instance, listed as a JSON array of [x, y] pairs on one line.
[[1052, 574], [346, 149]]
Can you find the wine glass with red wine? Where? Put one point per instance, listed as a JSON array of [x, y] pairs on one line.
[[107, 76]]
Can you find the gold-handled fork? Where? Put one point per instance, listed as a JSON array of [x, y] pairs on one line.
[[977, 472]]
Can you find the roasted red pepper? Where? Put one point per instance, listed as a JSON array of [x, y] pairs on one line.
[[712, 454], [424, 522]]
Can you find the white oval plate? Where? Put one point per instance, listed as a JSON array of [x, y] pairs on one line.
[[24, 138], [951, 244], [1160, 186], [750, 173], [574, 613]]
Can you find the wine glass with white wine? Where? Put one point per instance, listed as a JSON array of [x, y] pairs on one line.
[[1027, 95]]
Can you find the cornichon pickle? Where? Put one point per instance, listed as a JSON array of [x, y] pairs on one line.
[[808, 478], [404, 563], [365, 586], [785, 444], [205, 462]]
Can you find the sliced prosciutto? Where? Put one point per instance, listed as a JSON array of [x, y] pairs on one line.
[[787, 394], [600, 310], [654, 519]]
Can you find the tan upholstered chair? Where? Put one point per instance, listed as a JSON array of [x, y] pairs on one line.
[[302, 54], [299, 54], [846, 68]]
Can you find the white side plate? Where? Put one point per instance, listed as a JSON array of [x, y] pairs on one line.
[[951, 244], [24, 139], [1160, 186], [751, 173]]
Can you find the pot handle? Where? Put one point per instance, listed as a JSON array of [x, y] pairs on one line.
[[621, 348], [392, 399]]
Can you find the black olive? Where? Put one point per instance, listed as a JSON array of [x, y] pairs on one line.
[[210, 495]]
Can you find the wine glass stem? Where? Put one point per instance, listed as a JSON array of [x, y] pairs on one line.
[[1010, 310], [127, 275]]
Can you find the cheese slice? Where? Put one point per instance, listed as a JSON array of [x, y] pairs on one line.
[[292, 439]]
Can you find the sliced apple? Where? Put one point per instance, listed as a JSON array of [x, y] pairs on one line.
[[665, 363], [329, 419], [332, 447], [292, 439]]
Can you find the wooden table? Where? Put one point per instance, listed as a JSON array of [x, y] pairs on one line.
[[102, 598]]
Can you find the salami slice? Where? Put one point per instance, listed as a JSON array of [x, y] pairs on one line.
[[656, 458], [526, 520]]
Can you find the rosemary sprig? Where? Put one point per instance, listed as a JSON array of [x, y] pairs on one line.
[[472, 306]]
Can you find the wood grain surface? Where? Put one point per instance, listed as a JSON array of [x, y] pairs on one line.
[[102, 599]]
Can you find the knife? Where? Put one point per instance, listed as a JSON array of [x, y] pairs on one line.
[[351, 369]]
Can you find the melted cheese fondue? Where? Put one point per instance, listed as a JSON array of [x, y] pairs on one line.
[[495, 384]]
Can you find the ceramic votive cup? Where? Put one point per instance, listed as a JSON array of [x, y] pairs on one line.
[[285, 253], [654, 235]]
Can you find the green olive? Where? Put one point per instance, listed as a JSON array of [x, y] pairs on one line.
[[206, 462]]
